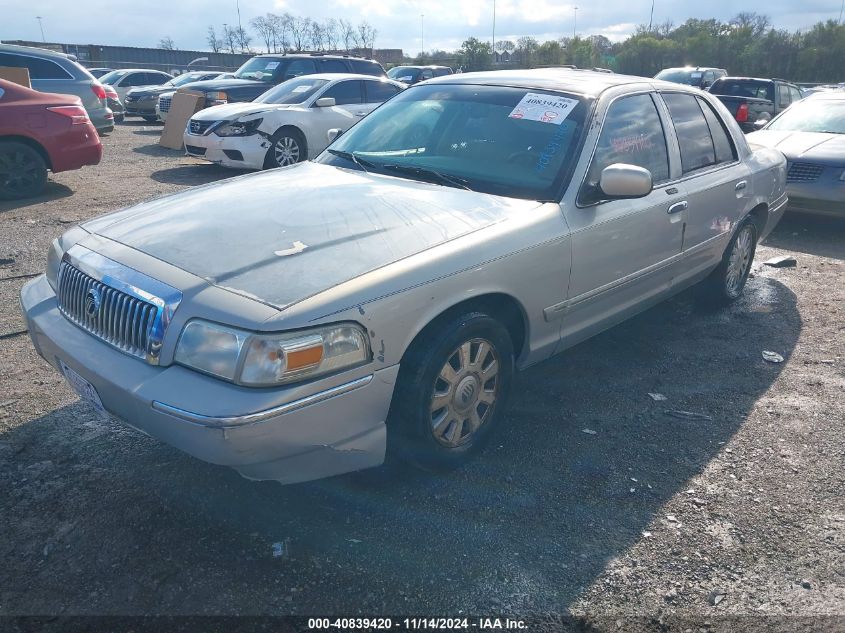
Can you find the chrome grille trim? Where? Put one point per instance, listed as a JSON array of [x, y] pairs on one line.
[[164, 103], [134, 309], [804, 172], [198, 128]]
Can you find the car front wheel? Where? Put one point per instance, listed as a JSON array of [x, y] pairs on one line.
[[23, 172], [451, 393], [287, 148]]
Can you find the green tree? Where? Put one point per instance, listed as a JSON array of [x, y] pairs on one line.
[[475, 55]]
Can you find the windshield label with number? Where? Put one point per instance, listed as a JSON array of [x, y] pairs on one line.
[[544, 108]]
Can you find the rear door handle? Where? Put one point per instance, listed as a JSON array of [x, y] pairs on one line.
[[360, 114], [742, 184], [678, 207]]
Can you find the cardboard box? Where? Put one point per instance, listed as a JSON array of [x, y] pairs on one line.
[[182, 108], [18, 76]]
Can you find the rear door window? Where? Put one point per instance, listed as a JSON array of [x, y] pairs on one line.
[[697, 151], [632, 134], [722, 144], [784, 98], [299, 67], [38, 68], [367, 68], [333, 66]]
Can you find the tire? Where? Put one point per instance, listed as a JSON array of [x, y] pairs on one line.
[[441, 438], [287, 147], [726, 283], [23, 172], [150, 119]]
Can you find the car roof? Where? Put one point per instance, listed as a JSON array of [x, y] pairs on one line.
[[32, 50], [564, 79], [830, 95], [338, 76], [142, 70], [693, 68], [316, 55]]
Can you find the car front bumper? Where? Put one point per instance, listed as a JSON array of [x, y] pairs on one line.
[[239, 152], [824, 197], [328, 432]]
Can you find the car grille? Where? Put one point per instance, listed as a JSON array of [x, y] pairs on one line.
[[199, 127], [164, 104], [131, 98], [804, 172], [196, 151], [120, 319]]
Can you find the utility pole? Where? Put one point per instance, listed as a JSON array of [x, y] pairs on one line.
[[422, 33], [494, 30], [841, 11], [651, 18], [575, 24], [44, 39]]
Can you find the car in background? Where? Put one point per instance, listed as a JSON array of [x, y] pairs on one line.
[[262, 72], [754, 102], [698, 76], [811, 134], [56, 73], [305, 321], [142, 101], [124, 80], [287, 124], [114, 103], [40, 131], [99, 72], [414, 74]]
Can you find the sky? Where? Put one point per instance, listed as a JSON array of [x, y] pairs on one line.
[[445, 25]]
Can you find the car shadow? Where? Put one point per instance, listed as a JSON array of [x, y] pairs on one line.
[[52, 191], [154, 149], [153, 132], [524, 528], [141, 123], [811, 234], [194, 172]]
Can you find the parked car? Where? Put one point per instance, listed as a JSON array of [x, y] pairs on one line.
[[753, 102], [287, 124], [414, 74], [114, 104], [124, 80], [40, 131], [163, 104], [56, 73], [296, 323], [99, 72], [142, 101], [812, 136], [700, 77], [262, 72]]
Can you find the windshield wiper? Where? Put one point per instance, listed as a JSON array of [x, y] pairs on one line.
[[351, 156], [452, 181]]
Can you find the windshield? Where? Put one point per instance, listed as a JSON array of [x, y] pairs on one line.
[[260, 68], [185, 78], [292, 91], [813, 115], [403, 73], [688, 77], [507, 141], [113, 77], [748, 88]]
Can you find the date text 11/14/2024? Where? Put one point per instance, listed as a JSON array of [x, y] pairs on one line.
[[416, 624]]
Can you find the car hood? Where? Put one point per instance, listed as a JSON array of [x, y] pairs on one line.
[[283, 235], [230, 111], [224, 84], [816, 146], [149, 91]]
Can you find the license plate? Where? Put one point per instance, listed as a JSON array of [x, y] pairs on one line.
[[82, 387]]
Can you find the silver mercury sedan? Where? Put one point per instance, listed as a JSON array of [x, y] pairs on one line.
[[305, 321]]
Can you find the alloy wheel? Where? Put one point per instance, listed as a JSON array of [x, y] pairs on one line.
[[286, 151], [739, 262], [18, 172], [465, 392]]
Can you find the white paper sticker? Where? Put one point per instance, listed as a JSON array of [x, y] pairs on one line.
[[544, 108], [304, 88], [406, 78], [271, 65]]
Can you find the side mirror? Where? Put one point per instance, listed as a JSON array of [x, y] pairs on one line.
[[333, 134], [625, 181], [325, 102]]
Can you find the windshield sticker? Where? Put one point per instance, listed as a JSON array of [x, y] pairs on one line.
[[553, 147], [631, 144], [305, 88], [272, 66], [543, 108]]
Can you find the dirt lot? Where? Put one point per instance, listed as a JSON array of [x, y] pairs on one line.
[[595, 501]]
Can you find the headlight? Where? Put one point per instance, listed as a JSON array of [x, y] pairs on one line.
[[238, 128], [217, 98], [54, 258], [263, 360]]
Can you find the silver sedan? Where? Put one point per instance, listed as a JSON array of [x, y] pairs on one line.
[[300, 322]]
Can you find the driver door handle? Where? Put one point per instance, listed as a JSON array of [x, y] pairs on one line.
[[742, 184], [678, 207]]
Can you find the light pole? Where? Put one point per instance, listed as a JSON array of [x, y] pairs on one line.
[[841, 11], [422, 33], [575, 24], [43, 39], [494, 30], [651, 18]]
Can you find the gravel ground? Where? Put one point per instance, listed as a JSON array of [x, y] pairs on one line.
[[596, 501]]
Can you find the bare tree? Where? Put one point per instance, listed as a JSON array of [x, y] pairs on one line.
[[167, 43], [347, 34], [330, 33], [214, 43], [278, 30], [366, 36], [243, 40], [264, 28], [300, 32], [317, 36], [230, 38]]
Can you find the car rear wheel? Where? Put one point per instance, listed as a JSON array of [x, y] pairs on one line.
[[23, 172], [726, 283], [452, 389], [287, 148]]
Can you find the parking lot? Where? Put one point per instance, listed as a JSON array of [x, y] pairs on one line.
[[596, 500]]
